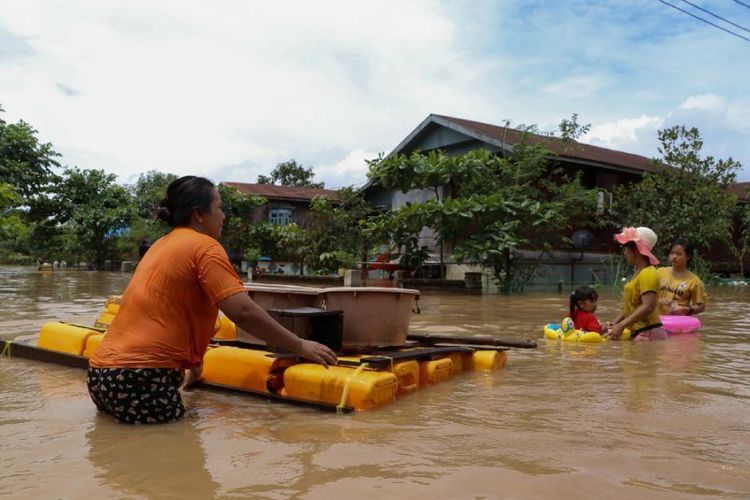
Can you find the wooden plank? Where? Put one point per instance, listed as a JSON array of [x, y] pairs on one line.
[[487, 340], [27, 351], [378, 359]]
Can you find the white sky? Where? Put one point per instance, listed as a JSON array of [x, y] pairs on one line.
[[227, 89]]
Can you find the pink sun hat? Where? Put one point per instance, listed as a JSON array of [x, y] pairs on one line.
[[644, 239]]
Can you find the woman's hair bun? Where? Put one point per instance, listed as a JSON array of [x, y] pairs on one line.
[[184, 196], [163, 213]]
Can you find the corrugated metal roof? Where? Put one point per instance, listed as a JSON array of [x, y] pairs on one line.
[[289, 193], [507, 137]]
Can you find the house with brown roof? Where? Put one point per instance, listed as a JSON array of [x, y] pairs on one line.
[[286, 204], [600, 168]]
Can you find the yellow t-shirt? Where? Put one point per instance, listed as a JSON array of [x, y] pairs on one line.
[[684, 291], [647, 280]]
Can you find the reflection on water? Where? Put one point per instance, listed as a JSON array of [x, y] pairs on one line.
[[29, 297], [150, 461], [661, 419]]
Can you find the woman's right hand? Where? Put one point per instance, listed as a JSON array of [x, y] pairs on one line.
[[192, 377], [317, 352], [679, 310], [615, 331]]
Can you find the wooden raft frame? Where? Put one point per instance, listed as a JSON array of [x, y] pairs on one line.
[[23, 350]]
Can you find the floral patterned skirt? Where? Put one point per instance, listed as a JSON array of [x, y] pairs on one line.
[[138, 395]]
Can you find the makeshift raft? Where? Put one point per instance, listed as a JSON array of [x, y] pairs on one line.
[[361, 381]]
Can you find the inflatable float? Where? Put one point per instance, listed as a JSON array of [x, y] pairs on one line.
[[680, 324], [566, 331]]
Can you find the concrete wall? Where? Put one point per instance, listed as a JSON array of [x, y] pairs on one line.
[[560, 267]]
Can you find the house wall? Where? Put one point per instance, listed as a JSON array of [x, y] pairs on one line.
[[560, 269], [437, 137]]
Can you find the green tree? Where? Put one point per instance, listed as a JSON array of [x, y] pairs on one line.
[[740, 244], [289, 173], [11, 225], [570, 130], [147, 192], [25, 162], [488, 207], [292, 243], [336, 230], [687, 194], [94, 211], [434, 172], [238, 234]]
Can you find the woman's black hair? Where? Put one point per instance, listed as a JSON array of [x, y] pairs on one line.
[[184, 196], [579, 294], [684, 243]]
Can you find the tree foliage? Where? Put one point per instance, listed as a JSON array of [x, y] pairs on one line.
[[336, 230], [740, 244], [686, 196], [11, 225], [95, 211], [487, 206], [293, 243], [239, 233], [26, 168], [289, 173], [146, 193], [25, 162]]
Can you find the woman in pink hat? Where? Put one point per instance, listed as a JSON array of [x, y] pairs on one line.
[[639, 311]]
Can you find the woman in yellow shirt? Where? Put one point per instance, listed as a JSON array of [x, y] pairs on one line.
[[639, 312], [681, 293]]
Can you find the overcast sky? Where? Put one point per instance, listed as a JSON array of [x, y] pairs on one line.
[[227, 89]]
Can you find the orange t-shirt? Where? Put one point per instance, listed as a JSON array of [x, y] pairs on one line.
[[167, 312]]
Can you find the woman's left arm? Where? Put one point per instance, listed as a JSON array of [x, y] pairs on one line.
[[696, 300]]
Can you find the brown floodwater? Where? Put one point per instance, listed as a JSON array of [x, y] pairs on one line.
[[666, 419]]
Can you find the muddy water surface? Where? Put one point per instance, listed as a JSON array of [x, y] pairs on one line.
[[665, 419]]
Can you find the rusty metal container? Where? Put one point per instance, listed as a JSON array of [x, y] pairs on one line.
[[272, 296], [373, 316]]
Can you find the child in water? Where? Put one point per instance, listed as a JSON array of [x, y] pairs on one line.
[[582, 307]]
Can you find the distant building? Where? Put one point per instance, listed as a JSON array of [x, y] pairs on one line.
[[286, 204]]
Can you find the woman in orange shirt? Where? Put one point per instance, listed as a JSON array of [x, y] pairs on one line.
[[168, 310]]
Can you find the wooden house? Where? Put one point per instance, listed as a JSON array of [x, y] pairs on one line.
[[286, 204], [600, 168]]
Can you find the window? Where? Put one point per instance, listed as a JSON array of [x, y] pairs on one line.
[[604, 201], [280, 216]]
